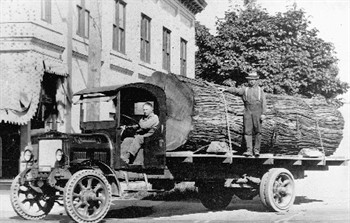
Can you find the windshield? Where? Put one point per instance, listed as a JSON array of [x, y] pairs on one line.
[[99, 109]]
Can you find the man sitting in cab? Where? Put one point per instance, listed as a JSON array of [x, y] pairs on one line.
[[146, 127]]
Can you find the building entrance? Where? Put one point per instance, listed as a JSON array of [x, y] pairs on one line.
[[9, 150]]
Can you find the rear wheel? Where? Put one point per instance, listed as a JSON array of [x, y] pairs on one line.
[[29, 203], [262, 189], [87, 196], [214, 196], [277, 190]]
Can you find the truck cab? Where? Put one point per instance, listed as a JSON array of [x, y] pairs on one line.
[[85, 168], [119, 106]]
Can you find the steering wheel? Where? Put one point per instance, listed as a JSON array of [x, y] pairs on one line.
[[131, 119]]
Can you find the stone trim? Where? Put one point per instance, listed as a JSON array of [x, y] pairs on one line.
[[145, 66], [142, 76], [47, 45], [117, 54], [121, 69], [80, 56]]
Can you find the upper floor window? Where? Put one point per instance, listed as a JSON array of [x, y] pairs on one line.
[[166, 49], [119, 27], [183, 57], [46, 10], [83, 20], [145, 38]]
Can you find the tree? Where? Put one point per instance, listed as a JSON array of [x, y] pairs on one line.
[[206, 59], [288, 54]]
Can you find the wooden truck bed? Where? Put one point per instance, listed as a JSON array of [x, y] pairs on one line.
[[263, 159]]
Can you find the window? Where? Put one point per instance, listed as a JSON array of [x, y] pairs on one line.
[[183, 57], [166, 49], [46, 10], [145, 38], [119, 27], [83, 20]]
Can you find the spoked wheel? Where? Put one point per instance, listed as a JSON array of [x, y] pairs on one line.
[[214, 196], [30, 204], [277, 190], [87, 196]]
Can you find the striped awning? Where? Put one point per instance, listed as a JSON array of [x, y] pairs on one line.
[[20, 81]]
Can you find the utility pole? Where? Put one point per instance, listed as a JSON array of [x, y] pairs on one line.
[[94, 61], [69, 66]]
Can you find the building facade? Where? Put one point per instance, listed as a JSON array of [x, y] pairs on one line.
[[50, 49]]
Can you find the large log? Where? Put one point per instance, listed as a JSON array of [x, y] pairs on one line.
[[197, 116]]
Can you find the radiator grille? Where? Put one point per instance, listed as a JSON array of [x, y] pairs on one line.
[[47, 153], [101, 156], [79, 155]]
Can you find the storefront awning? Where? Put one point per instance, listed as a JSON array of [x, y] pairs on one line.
[[20, 81]]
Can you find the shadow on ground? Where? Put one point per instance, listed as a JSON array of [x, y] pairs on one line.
[[130, 212], [50, 217], [175, 204], [193, 206], [304, 200]]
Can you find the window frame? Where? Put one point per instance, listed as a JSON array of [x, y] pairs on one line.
[[145, 38], [118, 41], [46, 9], [183, 57], [166, 49], [83, 30]]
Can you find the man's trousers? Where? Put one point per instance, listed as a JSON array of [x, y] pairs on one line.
[[252, 125]]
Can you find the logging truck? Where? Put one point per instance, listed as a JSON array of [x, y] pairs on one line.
[[85, 170]]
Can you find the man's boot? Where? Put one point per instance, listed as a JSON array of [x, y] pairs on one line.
[[249, 143], [257, 152], [257, 145]]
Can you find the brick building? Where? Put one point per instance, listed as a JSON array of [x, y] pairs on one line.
[[51, 48]]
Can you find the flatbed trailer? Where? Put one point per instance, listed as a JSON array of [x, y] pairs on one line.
[[85, 169], [219, 176], [264, 159]]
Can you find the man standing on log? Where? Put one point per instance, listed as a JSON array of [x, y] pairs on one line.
[[254, 108]]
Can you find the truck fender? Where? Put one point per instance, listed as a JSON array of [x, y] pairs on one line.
[[111, 177], [104, 168]]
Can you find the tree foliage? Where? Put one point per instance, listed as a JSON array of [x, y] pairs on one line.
[[288, 55]]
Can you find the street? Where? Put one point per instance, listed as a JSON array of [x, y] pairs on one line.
[[321, 197]]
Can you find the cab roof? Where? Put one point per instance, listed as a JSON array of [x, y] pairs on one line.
[[101, 90], [113, 89]]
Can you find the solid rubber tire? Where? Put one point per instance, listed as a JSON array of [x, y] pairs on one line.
[[68, 203], [268, 190], [17, 208], [262, 187]]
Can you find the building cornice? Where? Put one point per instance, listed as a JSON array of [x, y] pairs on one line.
[[195, 6], [47, 45]]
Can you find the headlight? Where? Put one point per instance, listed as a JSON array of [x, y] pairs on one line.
[[59, 155], [28, 155]]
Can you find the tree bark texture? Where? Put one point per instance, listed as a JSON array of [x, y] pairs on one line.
[[197, 116]]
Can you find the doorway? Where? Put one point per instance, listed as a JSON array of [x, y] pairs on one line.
[[10, 150]]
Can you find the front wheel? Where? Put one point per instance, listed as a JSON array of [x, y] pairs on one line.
[[87, 196], [214, 196], [29, 203], [277, 189]]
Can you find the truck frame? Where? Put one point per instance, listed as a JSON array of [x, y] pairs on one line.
[[85, 170]]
